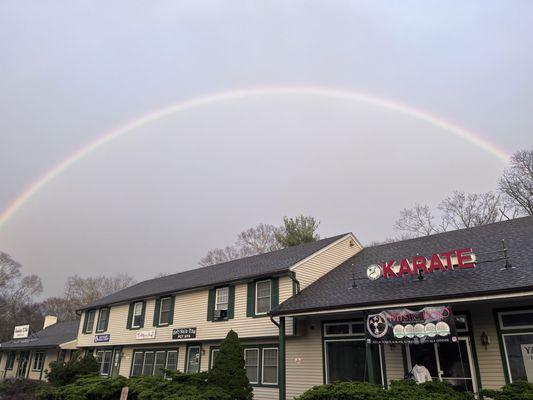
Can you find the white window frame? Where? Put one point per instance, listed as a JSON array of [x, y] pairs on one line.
[[212, 362], [263, 366], [155, 361], [500, 320], [101, 364], [507, 364], [166, 360], [106, 309], [188, 358], [141, 353], [144, 362], [217, 291], [326, 355], [133, 316], [42, 355], [256, 349], [161, 310], [87, 328], [270, 296], [350, 329]]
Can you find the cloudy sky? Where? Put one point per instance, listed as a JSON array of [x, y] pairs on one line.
[[158, 197]]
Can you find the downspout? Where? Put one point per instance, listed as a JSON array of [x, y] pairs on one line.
[[292, 275], [281, 356]]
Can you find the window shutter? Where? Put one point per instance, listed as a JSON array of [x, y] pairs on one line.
[[143, 314], [275, 293], [211, 305], [130, 316], [156, 311], [171, 318], [231, 301], [250, 300]]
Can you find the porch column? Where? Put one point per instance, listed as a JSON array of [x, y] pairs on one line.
[[281, 383], [370, 363]]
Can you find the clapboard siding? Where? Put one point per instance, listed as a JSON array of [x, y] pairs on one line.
[[393, 362], [325, 260]]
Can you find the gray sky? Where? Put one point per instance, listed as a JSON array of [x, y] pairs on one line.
[[159, 197]]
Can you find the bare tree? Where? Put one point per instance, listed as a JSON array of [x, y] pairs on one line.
[[517, 181], [418, 221]]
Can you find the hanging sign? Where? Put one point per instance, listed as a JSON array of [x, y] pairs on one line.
[[184, 333], [402, 325], [102, 338], [21, 332], [445, 261]]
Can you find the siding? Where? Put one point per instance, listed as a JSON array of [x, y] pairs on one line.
[[191, 311], [326, 260], [393, 362]]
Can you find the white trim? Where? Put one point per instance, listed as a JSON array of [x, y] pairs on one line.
[[155, 361], [161, 308], [505, 350], [500, 313], [263, 366], [270, 297], [329, 246], [212, 358], [256, 382], [416, 303], [133, 314], [227, 298], [188, 357], [144, 361], [166, 359], [93, 312], [326, 341], [141, 353]]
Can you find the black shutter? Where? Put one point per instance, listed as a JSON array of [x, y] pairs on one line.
[[141, 325], [211, 305], [250, 300], [231, 301], [130, 316], [156, 311], [171, 317], [274, 296]]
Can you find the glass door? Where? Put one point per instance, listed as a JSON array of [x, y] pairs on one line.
[[24, 359]]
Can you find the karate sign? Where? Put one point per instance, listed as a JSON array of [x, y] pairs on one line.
[[445, 261]]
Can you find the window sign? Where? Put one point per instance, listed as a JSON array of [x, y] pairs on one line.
[[527, 358], [428, 325]]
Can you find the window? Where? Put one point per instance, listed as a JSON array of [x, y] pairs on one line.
[[103, 319], [148, 363], [354, 328], [214, 354], [137, 366], [103, 358], [221, 302], [89, 321], [263, 299], [345, 360], [137, 316], [38, 361], [461, 322], [160, 362], [172, 360], [153, 362], [516, 319], [270, 366], [518, 345], [165, 310], [251, 362], [193, 359], [10, 360]]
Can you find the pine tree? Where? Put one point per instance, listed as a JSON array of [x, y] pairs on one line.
[[229, 371], [298, 230]]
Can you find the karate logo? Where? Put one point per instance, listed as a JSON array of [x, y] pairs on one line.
[[377, 325]]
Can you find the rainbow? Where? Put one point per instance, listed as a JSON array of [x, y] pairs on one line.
[[212, 98]]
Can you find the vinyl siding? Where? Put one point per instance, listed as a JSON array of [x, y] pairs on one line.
[[191, 311], [393, 362], [324, 261]]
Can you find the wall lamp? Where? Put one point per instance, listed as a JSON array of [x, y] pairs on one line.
[[485, 340]]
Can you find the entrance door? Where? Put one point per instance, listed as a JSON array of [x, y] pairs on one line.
[[24, 359], [450, 362]]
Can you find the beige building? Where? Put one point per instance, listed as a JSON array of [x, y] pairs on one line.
[[30, 355]]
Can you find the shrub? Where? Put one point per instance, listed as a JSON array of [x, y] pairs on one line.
[[62, 373], [519, 390], [19, 389], [228, 370], [435, 390]]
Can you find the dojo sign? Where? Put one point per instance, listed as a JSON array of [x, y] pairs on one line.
[[445, 261], [402, 325]]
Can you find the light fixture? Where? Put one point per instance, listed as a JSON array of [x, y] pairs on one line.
[[485, 340]]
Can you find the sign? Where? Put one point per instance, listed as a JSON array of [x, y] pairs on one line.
[[183, 333], [142, 335], [102, 338], [527, 358], [124, 393], [445, 261], [21, 332], [402, 325]]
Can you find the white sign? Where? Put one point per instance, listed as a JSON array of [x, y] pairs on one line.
[[142, 335], [21, 332], [527, 357]]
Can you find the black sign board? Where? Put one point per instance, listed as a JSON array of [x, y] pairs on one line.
[[184, 333], [402, 325]]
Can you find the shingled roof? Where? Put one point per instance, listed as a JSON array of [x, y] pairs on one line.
[[275, 262], [52, 336], [334, 290]]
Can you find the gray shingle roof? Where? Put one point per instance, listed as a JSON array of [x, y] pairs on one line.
[[334, 290], [53, 336], [242, 269]]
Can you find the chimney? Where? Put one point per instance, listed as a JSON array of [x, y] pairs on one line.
[[49, 320]]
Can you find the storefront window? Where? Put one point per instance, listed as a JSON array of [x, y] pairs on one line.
[[519, 354], [103, 358], [516, 319], [346, 360]]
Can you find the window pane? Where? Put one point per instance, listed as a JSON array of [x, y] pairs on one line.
[[193, 360], [519, 350], [137, 314], [102, 319], [346, 361], [214, 354], [338, 329], [172, 360], [164, 316], [518, 319], [263, 289], [222, 295], [358, 328], [148, 366], [263, 305], [270, 366], [137, 364], [90, 321], [106, 363], [160, 359], [461, 323], [251, 360]]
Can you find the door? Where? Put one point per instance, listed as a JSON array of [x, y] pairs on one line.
[[24, 359], [451, 362]]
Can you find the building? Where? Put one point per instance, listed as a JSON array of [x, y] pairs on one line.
[[29, 357]]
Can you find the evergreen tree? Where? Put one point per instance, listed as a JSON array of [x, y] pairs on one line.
[[228, 370], [298, 230]]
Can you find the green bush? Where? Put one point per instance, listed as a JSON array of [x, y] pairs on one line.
[[62, 373], [19, 389], [519, 390], [228, 370], [345, 391], [435, 390]]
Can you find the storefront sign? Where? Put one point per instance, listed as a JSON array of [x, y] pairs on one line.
[[21, 332], [401, 325], [527, 357], [446, 261], [102, 338], [183, 333], [142, 335]]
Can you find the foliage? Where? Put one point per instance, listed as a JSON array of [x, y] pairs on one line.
[[399, 390], [62, 373], [517, 181], [298, 230], [19, 389], [228, 370], [520, 390]]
